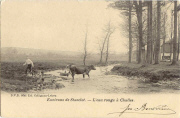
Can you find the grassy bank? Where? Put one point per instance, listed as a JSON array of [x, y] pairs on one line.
[[13, 77], [161, 71]]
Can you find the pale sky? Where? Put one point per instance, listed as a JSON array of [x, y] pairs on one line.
[[58, 25]]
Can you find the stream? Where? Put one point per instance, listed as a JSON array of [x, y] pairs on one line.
[[100, 82]]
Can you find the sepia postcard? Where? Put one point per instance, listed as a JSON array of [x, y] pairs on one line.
[[90, 58]]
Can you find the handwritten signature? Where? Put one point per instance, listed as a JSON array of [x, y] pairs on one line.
[[144, 109]]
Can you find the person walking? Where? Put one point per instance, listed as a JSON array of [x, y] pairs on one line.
[[29, 64]]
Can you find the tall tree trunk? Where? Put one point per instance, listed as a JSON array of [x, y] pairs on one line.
[[139, 19], [164, 38], [175, 35], [84, 60], [130, 36], [154, 33], [101, 57], [178, 37], [139, 15], [137, 50], [171, 48], [85, 49], [148, 56], [171, 36], [158, 32], [150, 31], [107, 52]]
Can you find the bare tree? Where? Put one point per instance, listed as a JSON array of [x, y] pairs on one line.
[[101, 47], [85, 47], [107, 30], [107, 44]]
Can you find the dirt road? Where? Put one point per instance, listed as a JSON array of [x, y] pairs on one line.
[[100, 82]]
